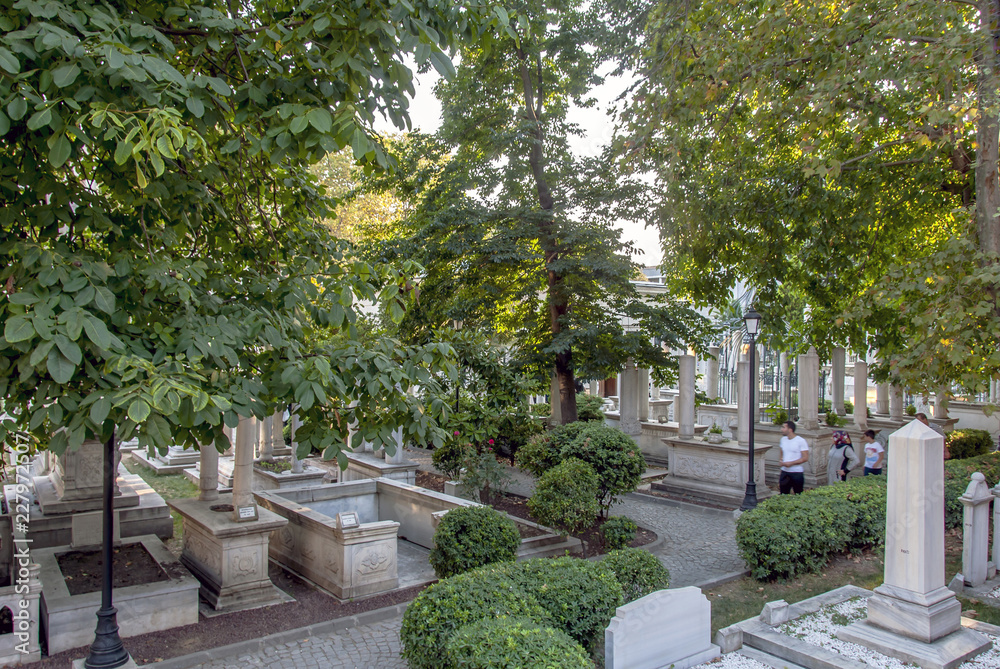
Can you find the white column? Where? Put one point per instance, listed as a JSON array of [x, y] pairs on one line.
[[685, 397], [975, 530], [208, 468], [895, 402], [996, 526], [743, 402], [838, 364], [809, 389], [396, 458], [243, 472], [882, 398], [643, 393], [266, 450], [861, 394], [628, 401], [294, 422], [712, 373], [786, 380]]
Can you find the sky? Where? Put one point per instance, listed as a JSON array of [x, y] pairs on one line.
[[425, 114]]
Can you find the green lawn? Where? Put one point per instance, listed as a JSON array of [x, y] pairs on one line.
[[169, 486]]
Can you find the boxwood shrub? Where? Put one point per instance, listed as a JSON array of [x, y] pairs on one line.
[[566, 497], [868, 496], [956, 480], [589, 407], [473, 536], [788, 535], [968, 443], [638, 572], [443, 608], [618, 532], [514, 643], [579, 596], [615, 457]]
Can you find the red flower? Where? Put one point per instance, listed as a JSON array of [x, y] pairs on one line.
[[490, 442], [456, 433]]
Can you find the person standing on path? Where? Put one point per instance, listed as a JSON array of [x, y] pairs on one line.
[[874, 454], [842, 457], [794, 453]]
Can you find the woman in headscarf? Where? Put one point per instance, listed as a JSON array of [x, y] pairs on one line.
[[842, 457]]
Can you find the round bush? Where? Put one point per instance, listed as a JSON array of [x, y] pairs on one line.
[[638, 572], [868, 496], [472, 536], [514, 643], [788, 535], [566, 497], [443, 608], [579, 596], [589, 407], [968, 443], [618, 532], [616, 459]]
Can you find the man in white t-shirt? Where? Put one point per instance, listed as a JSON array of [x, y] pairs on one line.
[[794, 453]]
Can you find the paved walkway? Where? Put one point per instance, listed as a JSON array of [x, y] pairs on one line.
[[696, 545]]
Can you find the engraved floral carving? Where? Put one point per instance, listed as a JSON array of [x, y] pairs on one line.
[[203, 552], [375, 559], [244, 563]]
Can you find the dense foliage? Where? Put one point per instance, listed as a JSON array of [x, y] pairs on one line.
[[470, 537], [577, 597], [514, 643], [162, 265], [565, 497], [968, 443], [637, 571], [618, 532], [589, 407]]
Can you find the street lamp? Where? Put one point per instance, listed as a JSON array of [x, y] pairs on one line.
[[752, 321], [458, 383], [107, 651]]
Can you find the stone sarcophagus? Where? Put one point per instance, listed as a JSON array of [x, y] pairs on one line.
[[714, 473]]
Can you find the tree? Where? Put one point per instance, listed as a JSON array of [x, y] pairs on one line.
[[814, 151], [516, 232], [162, 265]]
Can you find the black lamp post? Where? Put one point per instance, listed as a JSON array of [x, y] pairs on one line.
[[458, 383], [752, 321], [107, 651]]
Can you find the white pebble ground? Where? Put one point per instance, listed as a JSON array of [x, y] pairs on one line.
[[820, 629], [733, 661]]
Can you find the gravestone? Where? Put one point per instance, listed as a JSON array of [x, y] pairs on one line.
[[667, 628], [976, 530], [912, 616]]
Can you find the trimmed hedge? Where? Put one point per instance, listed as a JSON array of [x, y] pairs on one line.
[[579, 595], [618, 532], [788, 535], [964, 444], [638, 572], [514, 643], [473, 536], [576, 597], [443, 608], [956, 480], [566, 497], [868, 495]]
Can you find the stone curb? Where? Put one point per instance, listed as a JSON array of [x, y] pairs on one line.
[[298, 634], [722, 513], [725, 578]]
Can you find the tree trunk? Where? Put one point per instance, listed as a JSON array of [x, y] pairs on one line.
[[988, 135], [547, 237]]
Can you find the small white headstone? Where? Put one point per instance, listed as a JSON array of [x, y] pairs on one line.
[[668, 628], [775, 613]]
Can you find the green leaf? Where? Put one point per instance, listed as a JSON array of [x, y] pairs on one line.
[[105, 300], [18, 328], [65, 75], [138, 411], [60, 368], [69, 349], [99, 411], [123, 152], [60, 151], [195, 106], [17, 108], [158, 430], [298, 124], [320, 119], [442, 63], [40, 119], [40, 353], [8, 61], [4, 124], [97, 332]]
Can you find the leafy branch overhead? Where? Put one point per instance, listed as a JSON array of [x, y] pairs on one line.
[[163, 265]]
